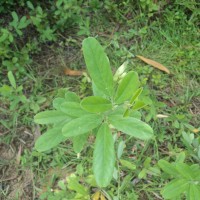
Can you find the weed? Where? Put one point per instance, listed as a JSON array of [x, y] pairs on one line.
[[186, 180]]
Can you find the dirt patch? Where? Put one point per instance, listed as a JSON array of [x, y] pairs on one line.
[[18, 185], [14, 182]]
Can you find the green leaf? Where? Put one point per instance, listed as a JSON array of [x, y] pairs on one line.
[[23, 23], [35, 20], [15, 17], [138, 105], [98, 65], [127, 87], [155, 171], [168, 168], [72, 97], [49, 139], [184, 170], [120, 149], [4, 36], [135, 114], [90, 179], [180, 157], [30, 5], [96, 104], [193, 192], [136, 95], [127, 179], [12, 79], [119, 110], [195, 171], [96, 91], [131, 126], [142, 174], [6, 90], [73, 184], [147, 162], [18, 32], [73, 109], [61, 184], [175, 188], [79, 142], [50, 117], [104, 156], [81, 125], [127, 164], [57, 102]]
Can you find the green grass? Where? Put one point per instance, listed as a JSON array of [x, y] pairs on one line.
[[172, 42]]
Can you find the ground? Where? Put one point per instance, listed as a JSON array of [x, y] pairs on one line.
[[172, 41]]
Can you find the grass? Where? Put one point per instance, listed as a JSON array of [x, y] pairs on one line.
[[174, 43]]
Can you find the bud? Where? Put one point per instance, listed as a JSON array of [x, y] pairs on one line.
[[120, 71]]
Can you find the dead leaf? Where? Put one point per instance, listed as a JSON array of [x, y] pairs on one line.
[[98, 196], [195, 130], [154, 64], [161, 116], [59, 173], [36, 133], [18, 156], [70, 72]]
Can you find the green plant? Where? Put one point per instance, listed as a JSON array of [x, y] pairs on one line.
[[67, 13], [19, 24], [15, 105], [148, 169], [39, 18], [149, 6], [70, 188], [6, 5], [192, 145], [13, 93], [11, 97], [14, 56], [186, 180], [113, 107], [6, 38]]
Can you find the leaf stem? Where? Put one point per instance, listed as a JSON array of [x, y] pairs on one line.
[[119, 181]]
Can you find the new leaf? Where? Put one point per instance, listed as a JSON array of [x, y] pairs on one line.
[[127, 87]]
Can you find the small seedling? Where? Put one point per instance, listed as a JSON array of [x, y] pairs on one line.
[[113, 107]]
